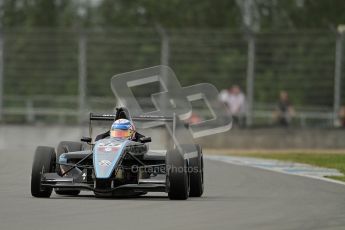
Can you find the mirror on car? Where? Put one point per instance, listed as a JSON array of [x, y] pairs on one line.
[[145, 139], [86, 139]]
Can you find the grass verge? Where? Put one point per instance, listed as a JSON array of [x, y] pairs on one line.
[[327, 160]]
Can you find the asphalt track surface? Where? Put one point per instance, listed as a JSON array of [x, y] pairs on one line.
[[236, 197]]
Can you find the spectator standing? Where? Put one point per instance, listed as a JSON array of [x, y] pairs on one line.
[[234, 99], [284, 111]]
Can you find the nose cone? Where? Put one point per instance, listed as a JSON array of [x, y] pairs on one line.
[[106, 156]]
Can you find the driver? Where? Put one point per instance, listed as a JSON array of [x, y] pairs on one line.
[[121, 128]]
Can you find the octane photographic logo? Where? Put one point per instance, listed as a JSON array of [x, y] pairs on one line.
[[172, 100], [163, 169]]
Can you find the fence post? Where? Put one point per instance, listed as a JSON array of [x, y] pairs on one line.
[[251, 23], [82, 71], [250, 78], [1, 74], [30, 113], [165, 49], [338, 71]]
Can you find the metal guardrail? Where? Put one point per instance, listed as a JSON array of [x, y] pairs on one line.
[[30, 108], [301, 116]]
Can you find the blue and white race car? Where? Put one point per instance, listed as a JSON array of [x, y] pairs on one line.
[[118, 167]]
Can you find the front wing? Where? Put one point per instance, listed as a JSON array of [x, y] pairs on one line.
[[53, 180]]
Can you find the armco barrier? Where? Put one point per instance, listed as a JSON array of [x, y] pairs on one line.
[[29, 136]]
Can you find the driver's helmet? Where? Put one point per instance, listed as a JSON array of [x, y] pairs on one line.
[[122, 128]]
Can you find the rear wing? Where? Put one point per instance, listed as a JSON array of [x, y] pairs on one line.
[[111, 117]]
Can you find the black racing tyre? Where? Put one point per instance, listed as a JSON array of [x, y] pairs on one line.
[[44, 162], [67, 192], [68, 146], [196, 174], [64, 147], [177, 176]]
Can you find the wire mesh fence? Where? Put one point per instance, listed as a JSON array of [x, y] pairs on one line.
[[48, 75]]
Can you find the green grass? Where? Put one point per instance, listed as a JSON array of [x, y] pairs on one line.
[[335, 161]]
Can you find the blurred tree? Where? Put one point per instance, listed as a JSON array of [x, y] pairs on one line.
[[53, 61], [274, 14], [36, 13], [171, 14]]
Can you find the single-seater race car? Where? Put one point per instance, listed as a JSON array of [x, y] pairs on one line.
[[113, 167]]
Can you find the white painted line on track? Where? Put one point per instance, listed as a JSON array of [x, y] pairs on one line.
[[284, 167]]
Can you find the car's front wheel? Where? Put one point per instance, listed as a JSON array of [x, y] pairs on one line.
[[44, 162], [177, 176]]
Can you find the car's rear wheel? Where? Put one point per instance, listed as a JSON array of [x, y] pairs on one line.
[[196, 166], [64, 147], [44, 162], [68, 146], [177, 176]]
